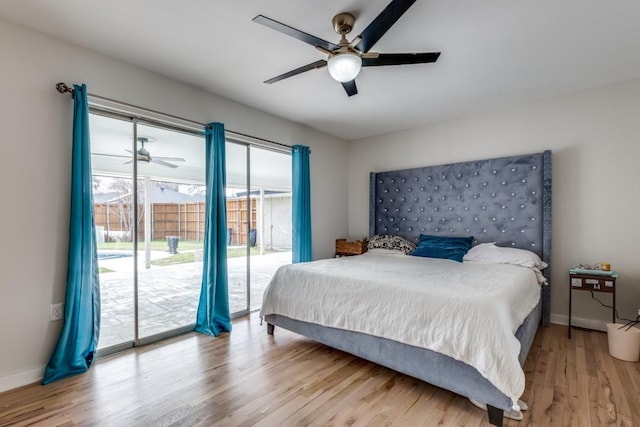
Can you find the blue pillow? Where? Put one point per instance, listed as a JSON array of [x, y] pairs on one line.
[[453, 248]]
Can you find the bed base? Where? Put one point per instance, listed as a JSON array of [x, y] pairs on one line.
[[426, 365], [505, 200]]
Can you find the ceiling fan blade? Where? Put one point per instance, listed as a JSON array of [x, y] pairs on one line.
[[163, 163], [297, 34], [381, 24], [110, 155], [400, 59], [313, 66], [171, 159], [350, 87]]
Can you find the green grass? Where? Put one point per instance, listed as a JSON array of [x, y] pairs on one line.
[[185, 253], [183, 245], [238, 252], [105, 270], [175, 259], [156, 245], [185, 257]]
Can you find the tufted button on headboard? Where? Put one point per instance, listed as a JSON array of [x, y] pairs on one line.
[[505, 200]]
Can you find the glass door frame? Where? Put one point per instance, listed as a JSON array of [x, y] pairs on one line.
[[247, 308], [169, 124], [250, 145], [137, 340]]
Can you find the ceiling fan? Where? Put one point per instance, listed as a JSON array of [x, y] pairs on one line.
[[346, 59], [143, 155]]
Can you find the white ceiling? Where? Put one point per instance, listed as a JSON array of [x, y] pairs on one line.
[[495, 53]]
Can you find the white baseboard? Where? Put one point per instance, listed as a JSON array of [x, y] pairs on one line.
[[19, 379], [562, 319]]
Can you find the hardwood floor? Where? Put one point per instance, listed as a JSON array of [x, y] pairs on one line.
[[248, 378]]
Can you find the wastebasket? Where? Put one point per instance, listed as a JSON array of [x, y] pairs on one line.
[[172, 244], [252, 237], [624, 343]]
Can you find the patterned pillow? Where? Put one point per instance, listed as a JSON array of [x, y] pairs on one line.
[[391, 242]]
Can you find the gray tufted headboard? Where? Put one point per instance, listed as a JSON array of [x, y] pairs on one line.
[[505, 200]]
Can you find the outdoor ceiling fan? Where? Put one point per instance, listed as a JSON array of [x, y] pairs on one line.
[[345, 59], [143, 155]]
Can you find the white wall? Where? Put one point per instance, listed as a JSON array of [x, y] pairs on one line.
[[35, 146], [595, 139]]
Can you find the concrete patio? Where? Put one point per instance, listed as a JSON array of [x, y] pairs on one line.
[[168, 295]]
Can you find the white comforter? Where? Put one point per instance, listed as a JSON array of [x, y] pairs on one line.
[[468, 311]]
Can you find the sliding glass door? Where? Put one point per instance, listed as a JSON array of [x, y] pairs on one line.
[[259, 220], [149, 196], [150, 234], [114, 216], [238, 214], [171, 229], [270, 196]]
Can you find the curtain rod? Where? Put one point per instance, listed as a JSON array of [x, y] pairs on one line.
[[64, 88]]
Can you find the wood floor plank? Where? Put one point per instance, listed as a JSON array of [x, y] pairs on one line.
[[248, 378]]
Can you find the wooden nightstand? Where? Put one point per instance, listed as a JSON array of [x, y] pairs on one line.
[[595, 283], [345, 247]]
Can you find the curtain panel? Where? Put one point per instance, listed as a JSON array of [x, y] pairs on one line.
[[213, 309], [302, 242], [78, 339]]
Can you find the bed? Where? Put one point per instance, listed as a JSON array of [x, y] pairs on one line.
[[505, 200]]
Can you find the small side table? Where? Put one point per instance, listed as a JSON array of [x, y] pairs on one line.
[[595, 283], [346, 247]]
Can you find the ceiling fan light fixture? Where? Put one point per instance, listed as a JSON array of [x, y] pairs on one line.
[[344, 67]]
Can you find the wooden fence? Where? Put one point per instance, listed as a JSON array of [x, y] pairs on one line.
[[185, 220]]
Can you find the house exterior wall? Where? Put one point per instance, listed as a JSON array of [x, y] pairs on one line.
[[277, 223]]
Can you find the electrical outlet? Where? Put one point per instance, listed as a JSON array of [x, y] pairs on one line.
[[56, 312]]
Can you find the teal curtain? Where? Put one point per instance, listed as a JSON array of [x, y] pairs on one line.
[[301, 205], [213, 309], [78, 339]]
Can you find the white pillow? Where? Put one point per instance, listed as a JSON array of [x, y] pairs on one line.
[[382, 251], [490, 253]]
